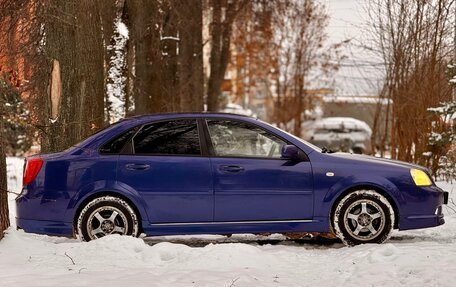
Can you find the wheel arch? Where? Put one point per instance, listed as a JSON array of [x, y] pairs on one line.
[[354, 188], [93, 196]]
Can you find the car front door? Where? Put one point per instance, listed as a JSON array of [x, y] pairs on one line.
[[251, 180], [166, 167]]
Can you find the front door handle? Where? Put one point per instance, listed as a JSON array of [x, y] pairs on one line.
[[231, 168], [137, 166]]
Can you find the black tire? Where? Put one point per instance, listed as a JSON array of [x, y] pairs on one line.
[[107, 215], [357, 150], [363, 216]]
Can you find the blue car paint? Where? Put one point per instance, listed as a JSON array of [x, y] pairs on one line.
[[261, 186], [171, 182], [267, 195]]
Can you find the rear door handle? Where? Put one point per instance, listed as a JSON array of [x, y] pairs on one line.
[[231, 168], [137, 166]]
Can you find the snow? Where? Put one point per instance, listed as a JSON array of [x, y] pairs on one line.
[[447, 111], [355, 99], [53, 121], [169, 38], [424, 257], [115, 87], [237, 109], [122, 29], [338, 123]]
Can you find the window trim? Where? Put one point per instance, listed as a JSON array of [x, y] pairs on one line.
[[212, 150]]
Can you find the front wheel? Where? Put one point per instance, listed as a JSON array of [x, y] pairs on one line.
[[107, 215], [363, 216]]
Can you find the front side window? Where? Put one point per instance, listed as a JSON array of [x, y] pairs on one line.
[[178, 137], [239, 139]]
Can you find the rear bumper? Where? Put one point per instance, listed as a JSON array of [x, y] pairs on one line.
[[45, 227]]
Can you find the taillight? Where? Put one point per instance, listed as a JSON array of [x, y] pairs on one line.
[[32, 168]]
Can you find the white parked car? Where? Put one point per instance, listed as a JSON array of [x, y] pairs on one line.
[[339, 134]]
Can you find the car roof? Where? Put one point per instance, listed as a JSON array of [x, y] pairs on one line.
[[158, 116], [101, 137]]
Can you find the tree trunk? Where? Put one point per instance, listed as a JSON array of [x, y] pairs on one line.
[[214, 82], [4, 213], [166, 48], [191, 77], [74, 38], [145, 44], [90, 57], [169, 52]]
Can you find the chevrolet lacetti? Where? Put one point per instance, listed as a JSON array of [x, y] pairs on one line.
[[210, 173]]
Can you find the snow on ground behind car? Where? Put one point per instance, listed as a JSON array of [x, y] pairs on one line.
[[424, 257]]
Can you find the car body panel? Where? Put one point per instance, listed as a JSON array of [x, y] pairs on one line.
[[188, 195], [262, 185], [174, 188]]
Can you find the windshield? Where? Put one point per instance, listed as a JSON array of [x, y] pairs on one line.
[[314, 147]]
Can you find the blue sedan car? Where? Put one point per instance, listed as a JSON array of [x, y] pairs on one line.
[[202, 173]]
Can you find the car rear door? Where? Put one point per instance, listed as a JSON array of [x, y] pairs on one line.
[[166, 167], [251, 181]]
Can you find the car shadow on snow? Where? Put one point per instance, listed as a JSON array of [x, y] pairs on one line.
[[414, 238], [197, 241], [278, 239]]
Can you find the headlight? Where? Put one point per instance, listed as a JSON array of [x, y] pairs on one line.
[[420, 177]]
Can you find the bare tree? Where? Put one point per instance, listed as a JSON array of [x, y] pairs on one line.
[[224, 13], [191, 78], [74, 24], [166, 64], [4, 213], [255, 50], [57, 47], [414, 39], [8, 89], [304, 60]]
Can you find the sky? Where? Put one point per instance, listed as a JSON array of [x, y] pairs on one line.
[[347, 21]]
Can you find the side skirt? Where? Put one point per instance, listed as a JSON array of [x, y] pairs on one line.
[[320, 225]]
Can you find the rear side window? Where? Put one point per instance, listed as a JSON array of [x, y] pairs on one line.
[[178, 137], [116, 145]]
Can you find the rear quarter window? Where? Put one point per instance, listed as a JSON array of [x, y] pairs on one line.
[[115, 145]]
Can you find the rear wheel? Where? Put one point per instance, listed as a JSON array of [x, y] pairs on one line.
[[107, 215], [363, 216]]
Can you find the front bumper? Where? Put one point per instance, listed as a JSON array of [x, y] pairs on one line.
[[428, 211]]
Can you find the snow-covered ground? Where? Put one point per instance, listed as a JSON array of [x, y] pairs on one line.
[[415, 258]]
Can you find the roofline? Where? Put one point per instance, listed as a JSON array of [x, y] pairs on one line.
[[205, 113]]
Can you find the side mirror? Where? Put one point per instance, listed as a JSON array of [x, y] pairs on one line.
[[291, 152]]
